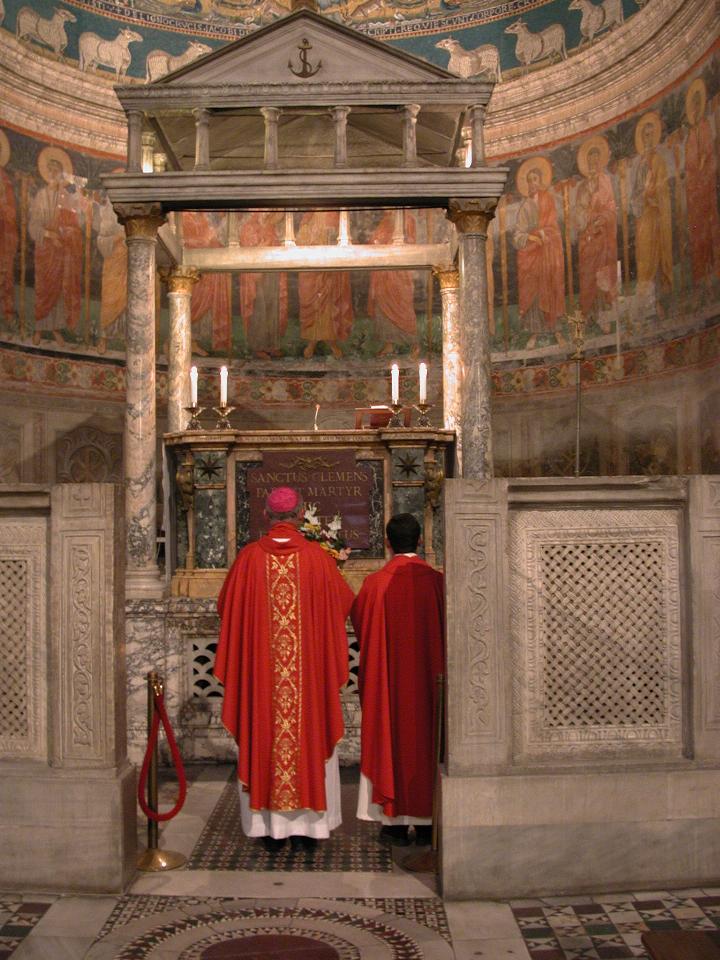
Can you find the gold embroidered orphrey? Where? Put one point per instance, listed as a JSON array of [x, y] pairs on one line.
[[283, 580]]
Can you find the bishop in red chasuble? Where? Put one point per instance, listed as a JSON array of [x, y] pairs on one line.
[[282, 658], [399, 618]]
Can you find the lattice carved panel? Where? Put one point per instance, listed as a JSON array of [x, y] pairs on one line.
[[202, 659], [596, 633], [23, 676]]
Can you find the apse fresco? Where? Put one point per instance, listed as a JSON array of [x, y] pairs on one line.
[[146, 39], [622, 224]]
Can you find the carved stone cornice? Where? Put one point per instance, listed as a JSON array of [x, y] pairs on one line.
[[472, 216], [181, 279]]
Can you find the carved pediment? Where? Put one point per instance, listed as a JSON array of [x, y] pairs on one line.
[[304, 48]]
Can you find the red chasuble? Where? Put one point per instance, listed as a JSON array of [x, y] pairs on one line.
[[399, 617], [283, 658]]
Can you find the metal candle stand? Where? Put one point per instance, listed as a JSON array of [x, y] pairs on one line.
[[223, 412], [194, 410]]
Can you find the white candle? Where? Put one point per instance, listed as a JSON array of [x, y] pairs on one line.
[[395, 383], [619, 274], [223, 386], [193, 386], [423, 382]]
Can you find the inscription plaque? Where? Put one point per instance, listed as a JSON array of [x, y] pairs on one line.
[[332, 480]]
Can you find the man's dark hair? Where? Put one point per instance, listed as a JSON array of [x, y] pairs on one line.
[[403, 532]]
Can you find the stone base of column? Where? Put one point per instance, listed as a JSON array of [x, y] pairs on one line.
[[145, 584]]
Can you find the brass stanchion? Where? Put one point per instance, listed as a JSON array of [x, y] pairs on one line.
[[427, 861], [153, 859]]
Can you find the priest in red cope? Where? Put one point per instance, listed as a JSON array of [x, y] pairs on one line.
[[399, 619], [283, 657]]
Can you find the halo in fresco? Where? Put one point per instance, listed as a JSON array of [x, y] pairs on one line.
[[534, 163], [598, 143], [4, 148], [697, 86], [652, 118], [53, 153]]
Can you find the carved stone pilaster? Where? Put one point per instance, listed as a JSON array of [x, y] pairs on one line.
[[475, 567], [180, 283], [87, 602], [705, 553], [471, 218]]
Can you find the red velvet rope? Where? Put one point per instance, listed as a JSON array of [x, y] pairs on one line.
[[161, 714]]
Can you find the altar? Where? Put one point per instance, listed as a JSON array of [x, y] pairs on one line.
[[218, 481]]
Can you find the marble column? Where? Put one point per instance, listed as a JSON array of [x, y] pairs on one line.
[[180, 282], [202, 138], [340, 116], [134, 141], [477, 134], [140, 440], [449, 281], [271, 115], [411, 112], [471, 219]]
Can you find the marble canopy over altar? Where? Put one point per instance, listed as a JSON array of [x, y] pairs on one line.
[[402, 133]]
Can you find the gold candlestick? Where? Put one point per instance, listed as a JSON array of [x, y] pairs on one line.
[[422, 408], [395, 420], [223, 412], [194, 410]]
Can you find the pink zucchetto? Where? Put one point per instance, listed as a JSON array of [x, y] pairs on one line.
[[282, 500]]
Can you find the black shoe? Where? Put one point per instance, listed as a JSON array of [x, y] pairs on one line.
[[423, 835], [272, 844], [397, 835], [299, 843]]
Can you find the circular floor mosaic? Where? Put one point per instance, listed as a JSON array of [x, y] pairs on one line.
[[327, 930]]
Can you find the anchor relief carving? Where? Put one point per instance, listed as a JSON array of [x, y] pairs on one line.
[[306, 68]]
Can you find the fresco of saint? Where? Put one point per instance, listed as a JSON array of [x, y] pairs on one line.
[[8, 235], [701, 187], [112, 246], [391, 293], [56, 227], [263, 296], [596, 219], [651, 204], [325, 296], [211, 294], [540, 262]]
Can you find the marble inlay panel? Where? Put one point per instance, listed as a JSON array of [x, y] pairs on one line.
[[210, 528]]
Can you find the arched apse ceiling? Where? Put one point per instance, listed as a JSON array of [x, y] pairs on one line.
[[500, 38]]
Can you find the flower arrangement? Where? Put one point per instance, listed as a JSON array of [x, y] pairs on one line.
[[330, 538]]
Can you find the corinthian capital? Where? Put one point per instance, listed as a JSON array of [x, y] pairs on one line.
[[448, 277], [141, 220], [181, 279], [472, 216]]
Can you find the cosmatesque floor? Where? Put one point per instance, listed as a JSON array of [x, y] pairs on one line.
[[355, 903]]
